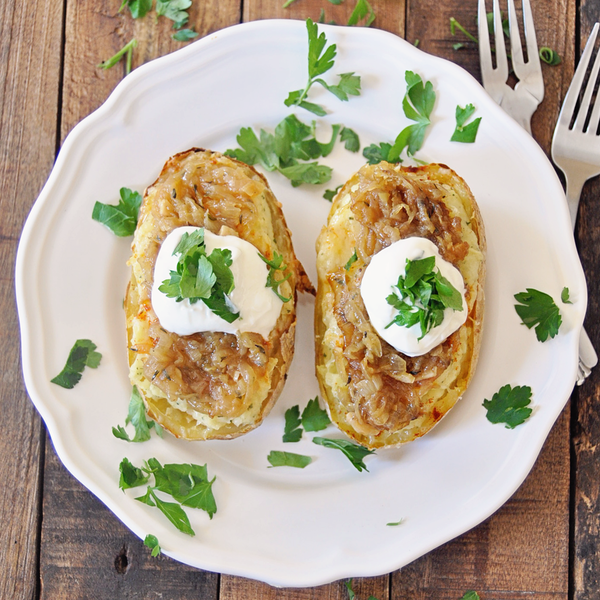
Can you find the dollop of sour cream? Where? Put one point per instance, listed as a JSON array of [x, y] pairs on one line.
[[379, 281], [258, 305]]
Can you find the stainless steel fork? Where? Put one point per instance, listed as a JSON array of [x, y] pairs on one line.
[[576, 150], [522, 101]]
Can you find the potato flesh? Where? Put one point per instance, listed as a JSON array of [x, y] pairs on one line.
[[377, 395]]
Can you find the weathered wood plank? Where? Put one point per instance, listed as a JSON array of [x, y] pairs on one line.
[[29, 37], [586, 435]]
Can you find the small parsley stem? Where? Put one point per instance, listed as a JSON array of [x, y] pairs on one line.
[[113, 60], [455, 24]]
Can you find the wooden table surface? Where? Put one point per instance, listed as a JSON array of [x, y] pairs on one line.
[[56, 539]]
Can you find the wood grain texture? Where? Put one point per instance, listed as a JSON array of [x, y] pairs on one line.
[[586, 436], [29, 37]]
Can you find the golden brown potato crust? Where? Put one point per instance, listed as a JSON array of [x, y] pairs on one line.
[[375, 394], [209, 385]]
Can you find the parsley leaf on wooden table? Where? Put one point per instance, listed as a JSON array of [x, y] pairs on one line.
[[151, 541]]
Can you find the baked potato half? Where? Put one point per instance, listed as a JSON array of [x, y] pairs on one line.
[[375, 394], [209, 385]]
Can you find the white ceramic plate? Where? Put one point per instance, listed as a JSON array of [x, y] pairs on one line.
[[287, 526]]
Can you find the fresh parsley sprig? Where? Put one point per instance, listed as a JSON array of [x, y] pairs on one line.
[[313, 418], [509, 405], [423, 295], [127, 51], [136, 415], [538, 309], [321, 59], [465, 132], [417, 104], [188, 484], [278, 458], [291, 150], [120, 218], [176, 10], [276, 264], [82, 354], [202, 276], [362, 10], [292, 431], [355, 453]]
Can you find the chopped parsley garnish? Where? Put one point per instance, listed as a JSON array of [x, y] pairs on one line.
[[423, 295], [417, 104], [465, 132], [537, 309], [138, 8], [362, 10], [127, 51], [277, 458], [331, 194], [120, 218], [276, 264], [185, 35], [470, 595], [354, 452], [151, 541], [565, 296], [395, 523], [549, 56], [509, 406], [321, 60], [291, 150], [202, 277], [351, 261], [137, 417], [187, 484], [83, 354], [314, 418], [292, 431], [176, 10]]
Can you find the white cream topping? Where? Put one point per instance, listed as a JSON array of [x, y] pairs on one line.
[[380, 280], [258, 305]]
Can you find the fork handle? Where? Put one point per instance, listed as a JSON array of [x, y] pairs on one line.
[[573, 193]]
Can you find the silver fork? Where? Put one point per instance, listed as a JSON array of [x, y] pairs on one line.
[[522, 101], [576, 150]]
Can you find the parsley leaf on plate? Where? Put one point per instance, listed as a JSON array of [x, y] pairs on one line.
[[320, 60], [418, 103], [151, 541], [395, 523], [131, 476], [136, 415], [83, 354], [537, 309], [331, 194], [465, 133], [121, 218], [314, 418], [565, 296], [292, 150], [288, 459], [350, 139], [292, 431], [188, 484], [509, 406], [354, 452], [202, 276]]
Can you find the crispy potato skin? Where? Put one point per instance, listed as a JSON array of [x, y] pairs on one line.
[[209, 385], [376, 395]]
